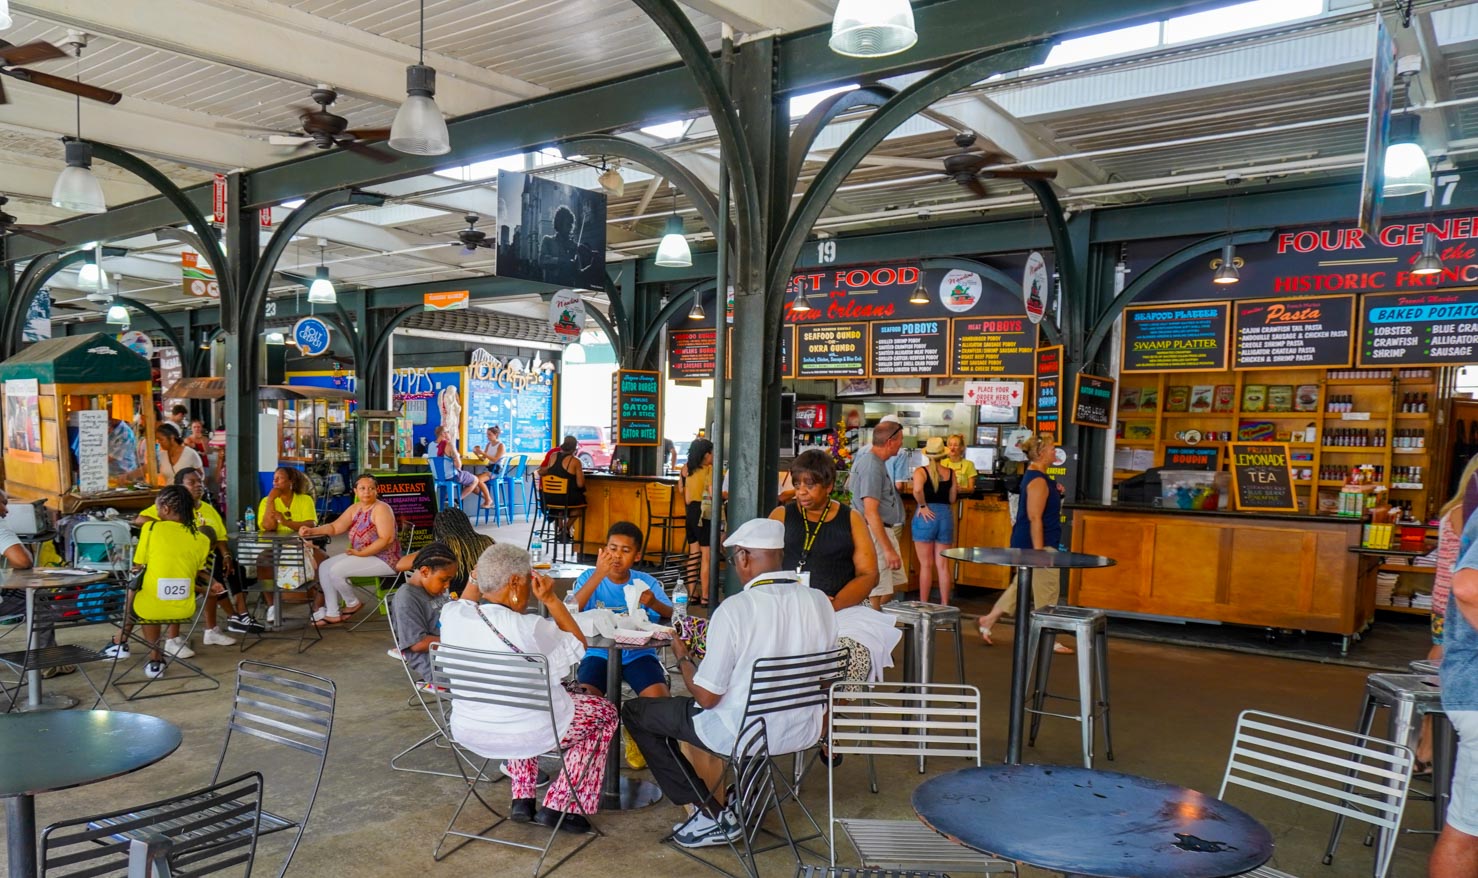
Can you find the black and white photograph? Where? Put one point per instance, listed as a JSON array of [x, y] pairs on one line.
[[551, 233]]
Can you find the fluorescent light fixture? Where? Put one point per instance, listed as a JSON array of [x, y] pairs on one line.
[[1407, 170], [674, 252], [872, 28], [321, 292], [276, 338], [117, 315], [1429, 262], [77, 188]]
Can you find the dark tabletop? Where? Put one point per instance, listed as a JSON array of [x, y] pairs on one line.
[[1098, 823], [58, 749], [1026, 558], [39, 577]]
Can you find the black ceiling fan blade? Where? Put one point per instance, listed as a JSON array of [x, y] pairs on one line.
[[368, 152], [976, 187], [367, 134], [31, 232], [71, 87], [1023, 174], [30, 53]]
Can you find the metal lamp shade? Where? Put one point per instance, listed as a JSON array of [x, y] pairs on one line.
[[77, 188], [1429, 262], [872, 28], [1407, 171], [674, 252], [419, 128], [117, 315], [322, 290]]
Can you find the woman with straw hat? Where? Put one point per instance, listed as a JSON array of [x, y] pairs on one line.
[[934, 522]]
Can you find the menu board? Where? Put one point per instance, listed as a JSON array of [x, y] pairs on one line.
[[787, 352], [831, 350], [911, 347], [993, 346], [1049, 390], [1262, 477], [411, 497], [1093, 401], [1205, 458], [690, 353], [636, 402], [1317, 331], [1176, 338], [1434, 328], [520, 402]]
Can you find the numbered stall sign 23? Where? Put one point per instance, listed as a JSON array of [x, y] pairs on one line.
[[173, 588]]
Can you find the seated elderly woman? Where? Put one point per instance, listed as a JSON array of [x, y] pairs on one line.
[[585, 723]]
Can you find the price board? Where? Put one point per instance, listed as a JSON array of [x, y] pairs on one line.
[[1093, 401], [1049, 390], [637, 402], [993, 347], [1434, 328], [1317, 331], [911, 347], [1205, 458], [690, 354], [831, 350], [1189, 337], [1262, 477]]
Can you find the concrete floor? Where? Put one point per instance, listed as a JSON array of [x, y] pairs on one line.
[[1173, 712]]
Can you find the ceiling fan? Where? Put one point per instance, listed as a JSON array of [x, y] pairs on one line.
[[965, 166], [8, 226], [324, 129], [472, 237], [13, 56]]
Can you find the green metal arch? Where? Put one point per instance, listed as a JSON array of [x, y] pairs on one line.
[[30, 284], [187, 365], [671, 309], [822, 114]]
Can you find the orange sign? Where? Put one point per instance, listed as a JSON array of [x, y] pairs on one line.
[[451, 301]]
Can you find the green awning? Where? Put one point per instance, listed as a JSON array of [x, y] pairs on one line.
[[77, 359]]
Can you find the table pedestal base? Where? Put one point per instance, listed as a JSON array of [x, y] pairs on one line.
[[633, 794], [1019, 659], [20, 836], [47, 701]]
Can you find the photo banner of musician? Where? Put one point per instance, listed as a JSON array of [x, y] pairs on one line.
[[551, 233]]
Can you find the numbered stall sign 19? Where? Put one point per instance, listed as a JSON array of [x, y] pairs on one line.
[[826, 252]]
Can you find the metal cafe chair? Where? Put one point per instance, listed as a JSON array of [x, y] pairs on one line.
[[60, 608], [557, 521], [910, 720], [380, 589], [202, 832], [809, 871], [421, 691], [1344, 773], [514, 681], [133, 683], [284, 554], [281, 719]]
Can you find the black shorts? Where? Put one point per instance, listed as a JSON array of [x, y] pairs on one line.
[[698, 527]]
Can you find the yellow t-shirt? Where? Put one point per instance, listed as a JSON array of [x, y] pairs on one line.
[[697, 484], [205, 516], [171, 556], [964, 472], [303, 509]]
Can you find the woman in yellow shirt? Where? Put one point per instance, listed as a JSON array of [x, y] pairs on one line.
[[963, 466], [696, 481], [171, 552], [209, 521], [288, 508]]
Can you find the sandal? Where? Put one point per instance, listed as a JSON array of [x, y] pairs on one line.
[[1062, 650], [327, 621], [349, 611], [984, 633]]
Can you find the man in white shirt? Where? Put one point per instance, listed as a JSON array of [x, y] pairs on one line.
[[775, 615]]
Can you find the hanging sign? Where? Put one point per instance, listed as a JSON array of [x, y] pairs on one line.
[[311, 335], [1093, 401], [1176, 338], [910, 347], [455, 300], [1318, 331], [993, 347], [92, 451], [637, 407], [998, 394], [832, 350], [198, 278], [1262, 477], [218, 198], [264, 217], [690, 354], [567, 315], [960, 290], [1435, 328], [1034, 287], [1049, 390]]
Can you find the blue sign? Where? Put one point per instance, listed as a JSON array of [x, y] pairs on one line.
[[519, 400], [311, 336]]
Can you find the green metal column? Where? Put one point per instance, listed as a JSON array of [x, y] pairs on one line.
[[243, 361], [640, 308]]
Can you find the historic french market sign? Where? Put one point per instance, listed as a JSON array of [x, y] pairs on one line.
[[1262, 477], [1189, 337], [1419, 328], [1317, 331]]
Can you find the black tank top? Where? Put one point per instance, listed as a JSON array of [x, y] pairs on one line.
[[941, 493], [830, 559]]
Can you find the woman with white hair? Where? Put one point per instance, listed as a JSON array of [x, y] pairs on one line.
[[491, 617]]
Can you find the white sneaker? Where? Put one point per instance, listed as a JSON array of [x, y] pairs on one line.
[[154, 670], [272, 615], [116, 650], [214, 637], [178, 647], [703, 831]]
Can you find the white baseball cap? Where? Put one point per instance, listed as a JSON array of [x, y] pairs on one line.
[[889, 419], [758, 533]]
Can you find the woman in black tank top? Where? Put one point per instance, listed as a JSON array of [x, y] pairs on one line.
[[825, 538]]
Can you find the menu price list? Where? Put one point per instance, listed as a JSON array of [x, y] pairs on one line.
[[994, 346], [1049, 389], [690, 353], [1262, 477], [832, 350], [1176, 338], [1093, 401], [911, 347], [638, 404], [1310, 332], [1422, 328]]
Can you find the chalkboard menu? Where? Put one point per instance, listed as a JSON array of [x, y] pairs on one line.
[[1049, 390], [521, 403], [994, 347], [1205, 458], [831, 350], [1262, 478], [911, 347], [1093, 401], [1176, 338], [1318, 331], [637, 404], [1434, 328], [690, 354]]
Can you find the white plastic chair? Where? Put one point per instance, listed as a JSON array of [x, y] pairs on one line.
[[914, 720], [1342, 772]]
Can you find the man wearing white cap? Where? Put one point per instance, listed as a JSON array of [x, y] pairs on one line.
[[774, 615]]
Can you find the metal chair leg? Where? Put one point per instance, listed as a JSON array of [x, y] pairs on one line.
[[1363, 726], [1101, 661]]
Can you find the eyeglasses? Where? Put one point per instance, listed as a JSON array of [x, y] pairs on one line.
[[807, 483]]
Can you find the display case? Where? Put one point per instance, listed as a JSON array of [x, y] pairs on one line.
[[313, 423], [379, 436]]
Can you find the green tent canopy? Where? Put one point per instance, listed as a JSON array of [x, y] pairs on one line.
[[77, 359]]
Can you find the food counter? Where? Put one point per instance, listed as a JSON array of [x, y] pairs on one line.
[[1270, 570], [612, 498]]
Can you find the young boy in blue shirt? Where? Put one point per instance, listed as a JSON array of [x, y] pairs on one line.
[[606, 585]]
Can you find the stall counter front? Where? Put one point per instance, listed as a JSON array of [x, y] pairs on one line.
[[1274, 571], [611, 498]]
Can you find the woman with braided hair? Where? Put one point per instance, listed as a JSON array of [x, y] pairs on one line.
[[452, 527]]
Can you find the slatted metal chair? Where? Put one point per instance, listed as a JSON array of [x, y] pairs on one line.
[[135, 685], [203, 832], [424, 693], [380, 589], [276, 714], [1357, 776], [60, 608], [287, 558], [909, 720], [514, 682]]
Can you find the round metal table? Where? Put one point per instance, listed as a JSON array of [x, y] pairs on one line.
[[43, 752], [1024, 560], [30, 581], [1094, 823], [621, 793]]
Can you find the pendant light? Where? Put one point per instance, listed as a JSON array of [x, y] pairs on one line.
[[1429, 262], [674, 252], [77, 188], [872, 28], [1407, 171], [920, 295], [800, 303], [419, 128], [696, 312], [276, 339], [117, 315], [321, 291], [5, 19], [91, 277], [1226, 266]]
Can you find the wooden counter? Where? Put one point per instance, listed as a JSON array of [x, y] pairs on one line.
[[623, 498], [1275, 571]]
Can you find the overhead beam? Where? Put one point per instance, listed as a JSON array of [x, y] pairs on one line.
[[754, 16]]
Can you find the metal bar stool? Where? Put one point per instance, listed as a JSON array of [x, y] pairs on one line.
[[1089, 629], [662, 520], [1409, 698], [920, 621]]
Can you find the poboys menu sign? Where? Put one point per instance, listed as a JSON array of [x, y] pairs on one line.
[[1262, 478], [1176, 338], [910, 347], [1317, 331], [1001, 347], [1419, 328]]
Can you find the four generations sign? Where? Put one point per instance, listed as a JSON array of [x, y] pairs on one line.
[[1262, 477], [637, 407]]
